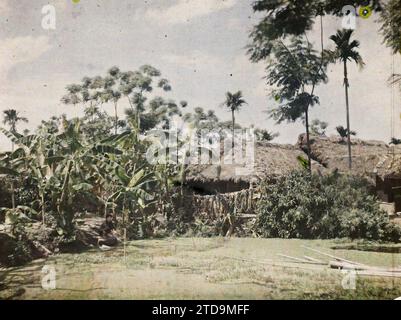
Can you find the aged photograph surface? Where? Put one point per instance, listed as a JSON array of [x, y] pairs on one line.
[[200, 149]]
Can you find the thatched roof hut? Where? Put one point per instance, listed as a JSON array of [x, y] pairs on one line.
[[390, 164], [388, 178], [370, 158], [270, 161], [374, 160], [332, 153]]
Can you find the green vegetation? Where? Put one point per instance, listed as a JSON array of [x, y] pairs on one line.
[[95, 163], [391, 28], [295, 70], [324, 207]]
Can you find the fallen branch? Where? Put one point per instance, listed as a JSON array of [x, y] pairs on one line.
[[339, 265], [334, 257], [314, 260], [271, 263], [378, 274], [346, 266], [298, 260]]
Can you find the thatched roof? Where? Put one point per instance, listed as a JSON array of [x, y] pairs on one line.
[[332, 153], [270, 161], [329, 154], [390, 165]]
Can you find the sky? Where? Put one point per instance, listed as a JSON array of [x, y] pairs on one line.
[[199, 45]]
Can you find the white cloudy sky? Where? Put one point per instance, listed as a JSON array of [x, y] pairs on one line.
[[197, 44]]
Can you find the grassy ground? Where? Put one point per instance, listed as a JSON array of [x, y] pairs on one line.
[[199, 268]]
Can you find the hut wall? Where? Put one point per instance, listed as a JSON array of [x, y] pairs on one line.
[[389, 190], [220, 205]]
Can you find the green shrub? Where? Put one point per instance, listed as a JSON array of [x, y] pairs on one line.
[[321, 207]]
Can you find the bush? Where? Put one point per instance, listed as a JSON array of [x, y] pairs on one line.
[[322, 207]]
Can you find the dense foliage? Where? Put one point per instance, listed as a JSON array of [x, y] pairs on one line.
[[286, 18], [311, 207], [98, 163], [391, 28]]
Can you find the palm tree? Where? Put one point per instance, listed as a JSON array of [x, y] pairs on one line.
[[234, 102], [395, 141], [346, 51], [11, 117], [344, 132], [265, 135]]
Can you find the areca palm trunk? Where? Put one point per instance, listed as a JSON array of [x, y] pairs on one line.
[[346, 84], [13, 129], [232, 132], [308, 139]]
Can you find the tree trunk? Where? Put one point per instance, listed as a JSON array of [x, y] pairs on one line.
[[177, 150], [116, 120], [346, 84], [232, 132], [130, 103], [12, 178], [308, 140], [12, 193], [42, 199]]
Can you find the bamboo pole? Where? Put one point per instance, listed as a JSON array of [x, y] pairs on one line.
[[334, 257]]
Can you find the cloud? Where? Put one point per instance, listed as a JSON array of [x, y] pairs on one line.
[[20, 50], [185, 10]]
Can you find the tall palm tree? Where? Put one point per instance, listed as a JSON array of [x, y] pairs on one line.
[[11, 117], [234, 102], [346, 51]]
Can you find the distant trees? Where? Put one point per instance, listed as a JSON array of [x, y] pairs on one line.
[[318, 127], [395, 141], [11, 117], [343, 132], [346, 50], [265, 135], [116, 84]]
